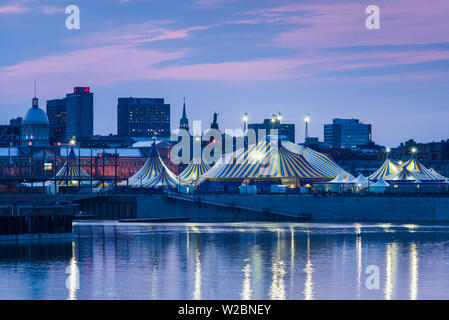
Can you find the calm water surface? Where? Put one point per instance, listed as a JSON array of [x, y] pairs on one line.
[[108, 260]]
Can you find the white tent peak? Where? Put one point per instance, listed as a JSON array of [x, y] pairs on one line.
[[338, 179], [361, 178], [381, 183]]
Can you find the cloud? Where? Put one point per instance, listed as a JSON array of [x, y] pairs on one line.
[[51, 10], [135, 34], [101, 66], [342, 24], [12, 9]]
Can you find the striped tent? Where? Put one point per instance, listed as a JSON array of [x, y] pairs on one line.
[[415, 166], [164, 180], [151, 169], [71, 172], [193, 171], [437, 175], [405, 175], [264, 160], [389, 167], [320, 161]]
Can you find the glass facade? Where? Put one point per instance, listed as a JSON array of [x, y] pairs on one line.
[[143, 117], [347, 133]]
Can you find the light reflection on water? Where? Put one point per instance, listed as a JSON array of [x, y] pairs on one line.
[[108, 260]]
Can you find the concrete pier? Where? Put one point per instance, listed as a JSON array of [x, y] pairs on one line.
[[217, 208], [35, 222]]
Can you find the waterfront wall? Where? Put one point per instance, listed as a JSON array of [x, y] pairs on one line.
[[35, 222], [344, 208], [221, 208], [283, 207]]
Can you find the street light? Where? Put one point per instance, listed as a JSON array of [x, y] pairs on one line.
[[72, 141], [388, 150], [245, 121], [414, 150], [306, 120]]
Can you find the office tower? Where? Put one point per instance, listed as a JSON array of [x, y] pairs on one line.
[[285, 130], [80, 113], [57, 118], [347, 133], [143, 117]]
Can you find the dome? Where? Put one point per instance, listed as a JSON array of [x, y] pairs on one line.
[[35, 115]]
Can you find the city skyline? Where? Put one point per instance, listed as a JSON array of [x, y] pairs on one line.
[[234, 57]]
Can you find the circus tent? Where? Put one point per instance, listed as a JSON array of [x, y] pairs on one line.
[[319, 160], [406, 175], [389, 167], [193, 171], [265, 161], [71, 174], [437, 175], [164, 180], [416, 167], [151, 169]]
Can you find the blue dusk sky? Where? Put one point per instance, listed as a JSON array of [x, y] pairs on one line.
[[237, 56]]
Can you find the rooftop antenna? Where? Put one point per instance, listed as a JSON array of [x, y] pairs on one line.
[[35, 88]]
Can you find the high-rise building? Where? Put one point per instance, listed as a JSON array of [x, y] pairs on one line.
[[284, 130], [80, 113], [10, 133], [143, 117], [347, 133], [57, 118]]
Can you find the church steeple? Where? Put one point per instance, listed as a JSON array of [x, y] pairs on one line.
[[184, 121], [35, 100]]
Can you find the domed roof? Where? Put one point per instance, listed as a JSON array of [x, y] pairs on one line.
[[35, 115]]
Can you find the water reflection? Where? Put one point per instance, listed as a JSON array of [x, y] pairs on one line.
[[73, 280], [229, 261], [390, 270], [308, 286], [413, 271], [246, 286]]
